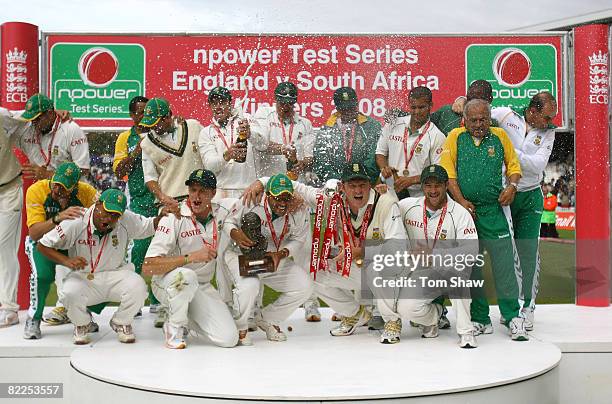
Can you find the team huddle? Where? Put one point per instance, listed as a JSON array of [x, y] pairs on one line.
[[466, 176]]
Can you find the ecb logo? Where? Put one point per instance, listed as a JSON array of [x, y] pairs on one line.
[[96, 81], [516, 72]]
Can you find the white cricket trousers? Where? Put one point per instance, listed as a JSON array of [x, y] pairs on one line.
[[123, 286], [342, 294], [195, 305], [11, 201], [293, 283]]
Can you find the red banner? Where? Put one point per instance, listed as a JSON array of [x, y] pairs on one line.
[[19, 61], [566, 220], [84, 72], [592, 148]]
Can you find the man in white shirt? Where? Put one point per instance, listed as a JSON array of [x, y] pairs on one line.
[[533, 136], [182, 258], [286, 228], [96, 244], [436, 226], [289, 137], [408, 144]]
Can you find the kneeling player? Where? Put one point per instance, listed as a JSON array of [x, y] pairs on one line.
[[182, 258]]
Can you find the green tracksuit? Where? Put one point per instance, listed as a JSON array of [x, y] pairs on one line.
[[478, 171]]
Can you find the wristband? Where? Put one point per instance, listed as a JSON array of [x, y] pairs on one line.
[[55, 219], [186, 259], [515, 185]]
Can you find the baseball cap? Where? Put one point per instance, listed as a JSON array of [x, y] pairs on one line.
[[155, 109], [434, 171], [220, 93], [286, 92], [205, 178], [36, 105], [67, 174], [354, 171], [113, 201], [279, 184], [345, 98]]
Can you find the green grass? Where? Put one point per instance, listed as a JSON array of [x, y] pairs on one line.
[[557, 277]]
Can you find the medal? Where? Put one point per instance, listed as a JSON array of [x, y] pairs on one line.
[[405, 173], [408, 157], [359, 262], [90, 276]]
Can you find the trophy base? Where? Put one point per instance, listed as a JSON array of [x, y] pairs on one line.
[[252, 267]]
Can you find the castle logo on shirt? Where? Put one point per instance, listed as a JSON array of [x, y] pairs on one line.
[[537, 140], [115, 240]]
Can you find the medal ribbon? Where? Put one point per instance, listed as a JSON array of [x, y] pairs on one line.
[[222, 136], [47, 158], [408, 158], [195, 226], [438, 229], [90, 241], [277, 242], [287, 140]]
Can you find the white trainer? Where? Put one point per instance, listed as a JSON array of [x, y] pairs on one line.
[[517, 329], [125, 333], [480, 328], [528, 315], [392, 332], [8, 318], [80, 336], [57, 316], [273, 332], [467, 340], [348, 325], [174, 336]]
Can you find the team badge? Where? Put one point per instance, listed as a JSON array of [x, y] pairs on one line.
[[55, 150], [194, 146], [345, 96], [355, 168], [443, 235], [376, 233], [537, 140], [115, 240], [491, 151], [120, 198], [69, 171], [418, 149]]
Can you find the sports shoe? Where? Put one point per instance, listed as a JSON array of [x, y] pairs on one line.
[[8, 318], [392, 332], [376, 323], [349, 324], [161, 317], [80, 335], [467, 340], [502, 320], [139, 314], [153, 308], [92, 327], [429, 331], [443, 322], [125, 333], [480, 328], [174, 336], [244, 338], [311, 313], [528, 315], [517, 329], [32, 329], [336, 317], [57, 316], [273, 332]]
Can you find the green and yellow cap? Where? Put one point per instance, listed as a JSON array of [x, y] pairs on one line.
[[113, 201], [67, 174], [279, 184], [156, 109], [36, 105], [434, 171]]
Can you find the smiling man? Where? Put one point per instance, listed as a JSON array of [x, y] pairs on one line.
[[183, 257], [96, 243]]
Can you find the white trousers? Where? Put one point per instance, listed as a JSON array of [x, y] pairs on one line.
[[195, 305], [11, 201], [340, 293], [124, 286], [289, 279]]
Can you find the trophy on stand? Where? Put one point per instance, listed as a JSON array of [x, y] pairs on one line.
[[254, 260]]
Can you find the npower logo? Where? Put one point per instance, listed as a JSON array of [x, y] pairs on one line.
[[516, 72], [96, 80]]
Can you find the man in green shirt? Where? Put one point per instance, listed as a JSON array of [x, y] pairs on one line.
[[128, 163]]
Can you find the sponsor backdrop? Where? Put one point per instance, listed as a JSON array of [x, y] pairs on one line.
[[94, 76]]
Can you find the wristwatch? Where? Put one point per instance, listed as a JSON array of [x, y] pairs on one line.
[[515, 185], [55, 219]]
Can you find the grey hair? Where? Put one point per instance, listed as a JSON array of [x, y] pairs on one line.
[[474, 102]]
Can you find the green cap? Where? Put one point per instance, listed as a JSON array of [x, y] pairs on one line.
[[354, 171], [434, 171], [219, 93], [286, 92], [155, 109], [205, 178], [36, 105], [279, 184], [67, 174], [113, 201], [345, 98]]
